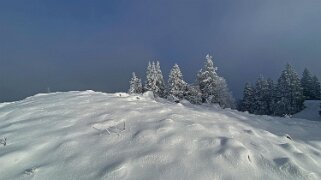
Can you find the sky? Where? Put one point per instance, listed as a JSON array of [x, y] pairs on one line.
[[78, 45]]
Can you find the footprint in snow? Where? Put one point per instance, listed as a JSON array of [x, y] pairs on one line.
[[31, 171]]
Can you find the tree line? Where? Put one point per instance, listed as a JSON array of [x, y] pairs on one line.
[[284, 97], [208, 88]]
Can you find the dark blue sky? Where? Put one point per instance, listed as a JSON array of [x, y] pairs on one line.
[[96, 44]]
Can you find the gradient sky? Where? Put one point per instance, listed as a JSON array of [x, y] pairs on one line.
[[97, 44]]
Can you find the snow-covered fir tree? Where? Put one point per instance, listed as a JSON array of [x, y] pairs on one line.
[[261, 96], [316, 89], [176, 85], [213, 87], [207, 81], [271, 98], [307, 86], [150, 83], [160, 83], [247, 103], [136, 86], [289, 92], [224, 96], [154, 80], [193, 94]]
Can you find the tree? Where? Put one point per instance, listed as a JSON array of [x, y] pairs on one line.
[[193, 94], [289, 92], [177, 86], [306, 82], [224, 96], [316, 89], [207, 81], [136, 86], [271, 96], [213, 87], [261, 94], [247, 103], [160, 83], [150, 83], [154, 80]]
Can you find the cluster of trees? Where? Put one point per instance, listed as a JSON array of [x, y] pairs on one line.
[[284, 97], [209, 87]]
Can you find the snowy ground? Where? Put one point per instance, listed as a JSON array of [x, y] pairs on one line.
[[311, 111], [90, 135]]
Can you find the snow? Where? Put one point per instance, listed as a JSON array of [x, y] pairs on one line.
[[311, 111], [93, 135]]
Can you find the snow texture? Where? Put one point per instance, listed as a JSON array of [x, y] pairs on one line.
[[92, 135], [311, 111]]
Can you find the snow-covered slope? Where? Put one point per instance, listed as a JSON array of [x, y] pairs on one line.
[[91, 135], [311, 111]]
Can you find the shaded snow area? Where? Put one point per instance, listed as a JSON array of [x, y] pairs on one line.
[[91, 135], [311, 111]]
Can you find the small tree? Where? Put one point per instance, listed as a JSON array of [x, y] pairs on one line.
[[193, 94], [177, 86], [136, 86]]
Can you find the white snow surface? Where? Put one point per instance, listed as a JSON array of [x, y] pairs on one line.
[[311, 111], [92, 135]]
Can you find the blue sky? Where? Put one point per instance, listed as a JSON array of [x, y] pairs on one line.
[[78, 45]]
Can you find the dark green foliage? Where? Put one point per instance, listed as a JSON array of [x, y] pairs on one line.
[[307, 85], [289, 92]]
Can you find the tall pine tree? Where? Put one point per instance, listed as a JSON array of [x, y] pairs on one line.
[[224, 96], [316, 89], [207, 81], [154, 80], [261, 96], [136, 86], [307, 86], [289, 92], [247, 103], [177, 86], [271, 97]]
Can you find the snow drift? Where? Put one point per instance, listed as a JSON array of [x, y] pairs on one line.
[[91, 135]]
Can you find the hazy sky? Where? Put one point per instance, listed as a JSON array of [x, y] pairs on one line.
[[97, 44]]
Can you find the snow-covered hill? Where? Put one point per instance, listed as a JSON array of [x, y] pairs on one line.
[[311, 111], [91, 135]]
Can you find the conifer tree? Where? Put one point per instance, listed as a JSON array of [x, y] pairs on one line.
[[271, 98], [247, 103], [149, 84], [154, 80], [193, 94], [307, 86], [177, 86], [136, 86], [316, 89], [261, 106], [224, 96], [207, 81], [160, 83], [289, 92]]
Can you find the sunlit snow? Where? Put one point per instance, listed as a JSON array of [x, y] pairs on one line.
[[92, 135]]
